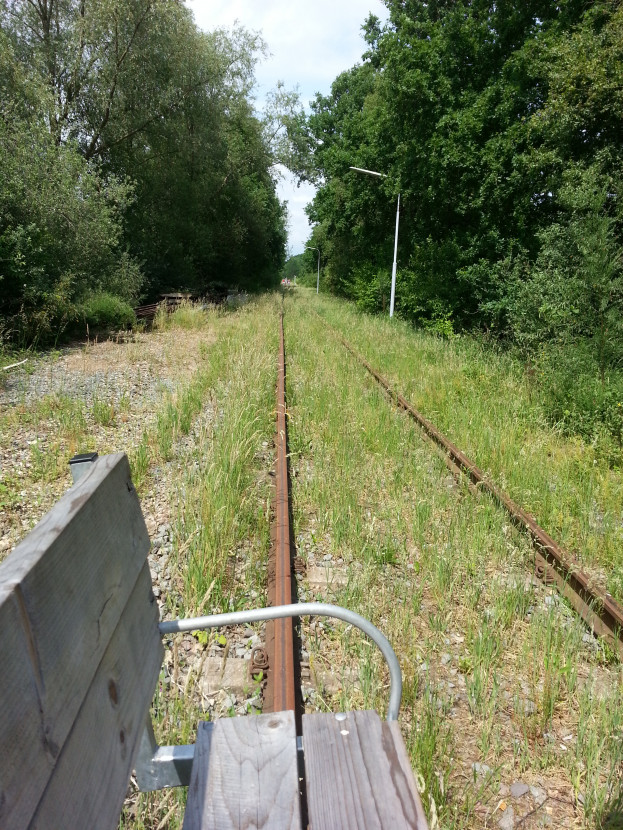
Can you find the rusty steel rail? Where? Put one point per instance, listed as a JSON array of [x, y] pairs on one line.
[[280, 692], [146, 312], [553, 563], [170, 302]]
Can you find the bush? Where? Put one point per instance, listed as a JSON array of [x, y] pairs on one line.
[[371, 288], [577, 398], [124, 280], [307, 278], [61, 220], [439, 320], [187, 316], [106, 311]]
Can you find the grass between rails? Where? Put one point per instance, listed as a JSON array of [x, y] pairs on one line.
[[220, 500], [501, 682], [484, 403]]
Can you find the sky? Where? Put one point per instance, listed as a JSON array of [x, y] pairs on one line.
[[310, 43]]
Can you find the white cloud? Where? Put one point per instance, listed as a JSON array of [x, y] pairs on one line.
[[310, 44]]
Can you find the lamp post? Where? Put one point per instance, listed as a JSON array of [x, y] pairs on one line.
[[393, 294], [309, 248]]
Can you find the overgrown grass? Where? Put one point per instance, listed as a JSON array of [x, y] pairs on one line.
[[495, 666], [224, 494], [104, 311], [187, 316], [497, 671], [213, 431], [484, 403], [214, 434]]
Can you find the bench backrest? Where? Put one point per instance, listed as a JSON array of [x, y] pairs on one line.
[[80, 654]]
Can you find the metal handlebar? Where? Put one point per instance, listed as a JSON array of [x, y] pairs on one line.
[[303, 609]]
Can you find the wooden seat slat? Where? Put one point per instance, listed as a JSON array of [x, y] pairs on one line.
[[62, 592], [20, 719], [98, 756], [357, 774], [245, 775]]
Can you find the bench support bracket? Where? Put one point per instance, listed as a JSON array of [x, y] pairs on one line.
[[158, 767]]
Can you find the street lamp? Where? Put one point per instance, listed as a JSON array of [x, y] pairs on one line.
[[393, 294], [309, 248]]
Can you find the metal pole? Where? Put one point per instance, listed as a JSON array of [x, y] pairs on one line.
[[369, 172], [318, 277], [311, 248], [302, 609], [393, 292], [81, 464], [393, 296]]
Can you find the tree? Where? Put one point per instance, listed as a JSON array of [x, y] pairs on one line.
[[456, 109], [500, 124], [60, 220], [144, 97]]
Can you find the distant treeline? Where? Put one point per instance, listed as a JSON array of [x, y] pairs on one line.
[[131, 161], [501, 126]]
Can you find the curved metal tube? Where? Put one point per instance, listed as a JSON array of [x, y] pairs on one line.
[[303, 609]]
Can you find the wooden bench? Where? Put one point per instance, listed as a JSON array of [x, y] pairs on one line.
[[81, 653]]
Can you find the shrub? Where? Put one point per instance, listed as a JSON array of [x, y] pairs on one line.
[[187, 316], [439, 320], [308, 278], [371, 288], [579, 399], [106, 311]]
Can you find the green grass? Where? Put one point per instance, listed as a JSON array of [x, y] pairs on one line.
[[214, 433], [67, 418], [494, 666], [186, 316], [103, 412], [224, 492], [489, 667], [485, 403]]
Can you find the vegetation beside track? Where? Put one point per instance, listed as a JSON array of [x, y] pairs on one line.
[[219, 501], [192, 405], [502, 682], [485, 403]]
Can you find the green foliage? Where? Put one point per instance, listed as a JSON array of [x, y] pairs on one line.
[[95, 96], [499, 125], [103, 412], [294, 267], [565, 310], [439, 319], [574, 288], [106, 311], [577, 399], [60, 217], [60, 232], [371, 287]]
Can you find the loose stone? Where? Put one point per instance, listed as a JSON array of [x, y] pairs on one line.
[[519, 789], [507, 822]]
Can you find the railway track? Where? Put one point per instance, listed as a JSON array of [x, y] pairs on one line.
[[428, 659], [553, 564], [282, 686]]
